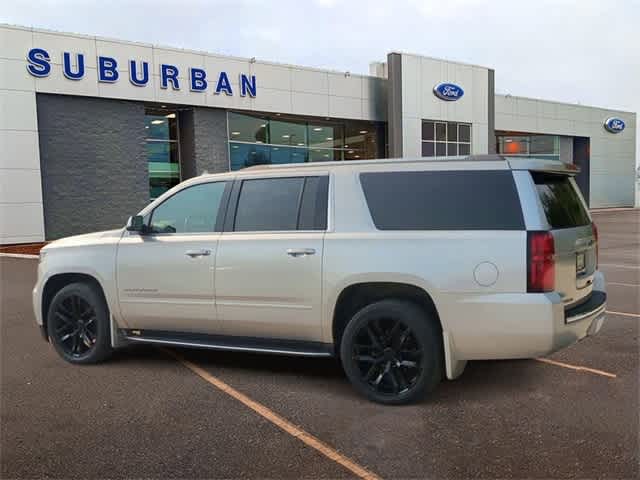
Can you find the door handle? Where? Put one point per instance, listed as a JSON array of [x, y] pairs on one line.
[[198, 253], [300, 252]]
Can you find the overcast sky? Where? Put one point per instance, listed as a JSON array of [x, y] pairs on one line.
[[582, 51]]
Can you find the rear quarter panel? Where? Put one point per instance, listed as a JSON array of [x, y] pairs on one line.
[[443, 263]]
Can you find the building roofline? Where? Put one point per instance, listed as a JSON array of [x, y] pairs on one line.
[[558, 102], [441, 59], [185, 50]]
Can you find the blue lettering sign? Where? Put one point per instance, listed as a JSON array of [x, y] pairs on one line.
[[224, 84], [74, 68], [448, 91], [67, 67], [169, 73], [107, 70], [133, 73], [39, 65], [198, 82], [614, 124], [247, 85]]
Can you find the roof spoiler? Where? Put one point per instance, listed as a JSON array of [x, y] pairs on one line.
[[542, 165]]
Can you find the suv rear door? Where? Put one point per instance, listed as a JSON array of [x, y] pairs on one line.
[[269, 261], [574, 239]]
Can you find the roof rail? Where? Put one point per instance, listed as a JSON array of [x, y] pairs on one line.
[[469, 158]]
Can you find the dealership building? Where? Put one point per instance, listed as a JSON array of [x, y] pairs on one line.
[[92, 129]]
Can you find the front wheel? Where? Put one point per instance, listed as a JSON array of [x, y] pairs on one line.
[[391, 352], [78, 324]]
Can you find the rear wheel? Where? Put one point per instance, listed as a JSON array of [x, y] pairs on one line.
[[391, 352], [78, 324]]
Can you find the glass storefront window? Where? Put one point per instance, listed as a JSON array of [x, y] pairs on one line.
[[288, 133], [163, 152], [260, 139], [161, 127], [545, 146], [245, 128], [326, 136], [324, 155], [440, 139]]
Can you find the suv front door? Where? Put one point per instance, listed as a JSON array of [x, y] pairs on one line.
[[269, 260], [165, 277]]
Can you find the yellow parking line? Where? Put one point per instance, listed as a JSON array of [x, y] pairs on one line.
[[635, 285], [578, 368], [624, 314], [277, 420]]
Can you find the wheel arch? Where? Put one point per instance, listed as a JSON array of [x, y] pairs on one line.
[[60, 280], [357, 295]]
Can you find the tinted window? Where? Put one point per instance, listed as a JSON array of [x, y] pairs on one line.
[[194, 209], [560, 201], [443, 200], [313, 209], [268, 204]]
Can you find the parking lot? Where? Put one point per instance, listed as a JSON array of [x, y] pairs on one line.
[[201, 414]]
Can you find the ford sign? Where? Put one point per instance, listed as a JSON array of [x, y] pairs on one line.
[[614, 125], [448, 92]]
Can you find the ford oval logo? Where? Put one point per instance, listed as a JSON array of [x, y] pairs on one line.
[[614, 125], [448, 91]]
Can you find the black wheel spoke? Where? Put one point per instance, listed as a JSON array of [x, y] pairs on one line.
[[64, 317], [76, 343], [366, 358], [408, 363], [90, 336], [65, 309], [403, 338], [394, 330], [394, 382], [399, 378], [85, 340], [382, 374], [66, 337], [374, 338], [371, 372]]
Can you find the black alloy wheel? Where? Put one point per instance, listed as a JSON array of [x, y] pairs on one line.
[[78, 324], [74, 325], [392, 352], [388, 355]]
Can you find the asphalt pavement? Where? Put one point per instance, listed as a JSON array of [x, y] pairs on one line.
[[144, 414]]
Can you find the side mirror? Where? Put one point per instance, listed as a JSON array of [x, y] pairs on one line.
[[136, 224]]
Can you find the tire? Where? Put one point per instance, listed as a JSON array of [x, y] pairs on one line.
[[78, 324], [391, 351]]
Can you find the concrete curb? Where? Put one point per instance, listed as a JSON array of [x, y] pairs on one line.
[[18, 255]]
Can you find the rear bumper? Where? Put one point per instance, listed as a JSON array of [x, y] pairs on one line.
[[503, 326]]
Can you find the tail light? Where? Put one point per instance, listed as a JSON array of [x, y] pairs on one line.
[[595, 235], [541, 263]]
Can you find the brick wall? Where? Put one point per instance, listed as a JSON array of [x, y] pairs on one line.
[[93, 163]]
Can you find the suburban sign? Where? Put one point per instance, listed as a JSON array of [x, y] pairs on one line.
[[614, 125], [108, 71], [448, 91]]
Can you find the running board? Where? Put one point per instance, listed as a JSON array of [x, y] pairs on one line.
[[230, 343]]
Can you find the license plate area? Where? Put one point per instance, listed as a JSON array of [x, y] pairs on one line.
[[581, 266]]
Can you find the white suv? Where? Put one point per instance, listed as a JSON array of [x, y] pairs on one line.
[[405, 269]]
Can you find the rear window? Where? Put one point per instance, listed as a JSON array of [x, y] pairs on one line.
[[560, 201], [443, 200]]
